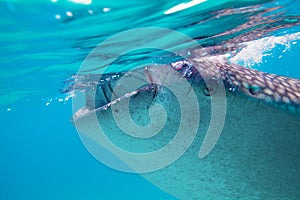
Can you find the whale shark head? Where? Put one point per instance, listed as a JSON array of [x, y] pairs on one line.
[[202, 129]]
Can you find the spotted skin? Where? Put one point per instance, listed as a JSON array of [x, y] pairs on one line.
[[261, 85]]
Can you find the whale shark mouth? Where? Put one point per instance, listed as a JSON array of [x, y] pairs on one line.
[[101, 95], [277, 90]]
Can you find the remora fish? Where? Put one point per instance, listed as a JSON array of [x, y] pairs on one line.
[[257, 155]]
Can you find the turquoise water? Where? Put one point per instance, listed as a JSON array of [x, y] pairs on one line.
[[43, 43]]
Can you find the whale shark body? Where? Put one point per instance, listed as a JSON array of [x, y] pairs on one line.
[[201, 127], [255, 156]]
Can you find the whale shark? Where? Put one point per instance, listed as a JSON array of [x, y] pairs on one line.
[[201, 127], [255, 155]]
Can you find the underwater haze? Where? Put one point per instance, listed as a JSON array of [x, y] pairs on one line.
[[44, 43]]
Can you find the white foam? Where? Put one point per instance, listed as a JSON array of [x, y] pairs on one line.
[[255, 50]]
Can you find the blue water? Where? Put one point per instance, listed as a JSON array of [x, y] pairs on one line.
[[42, 158], [43, 43]]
